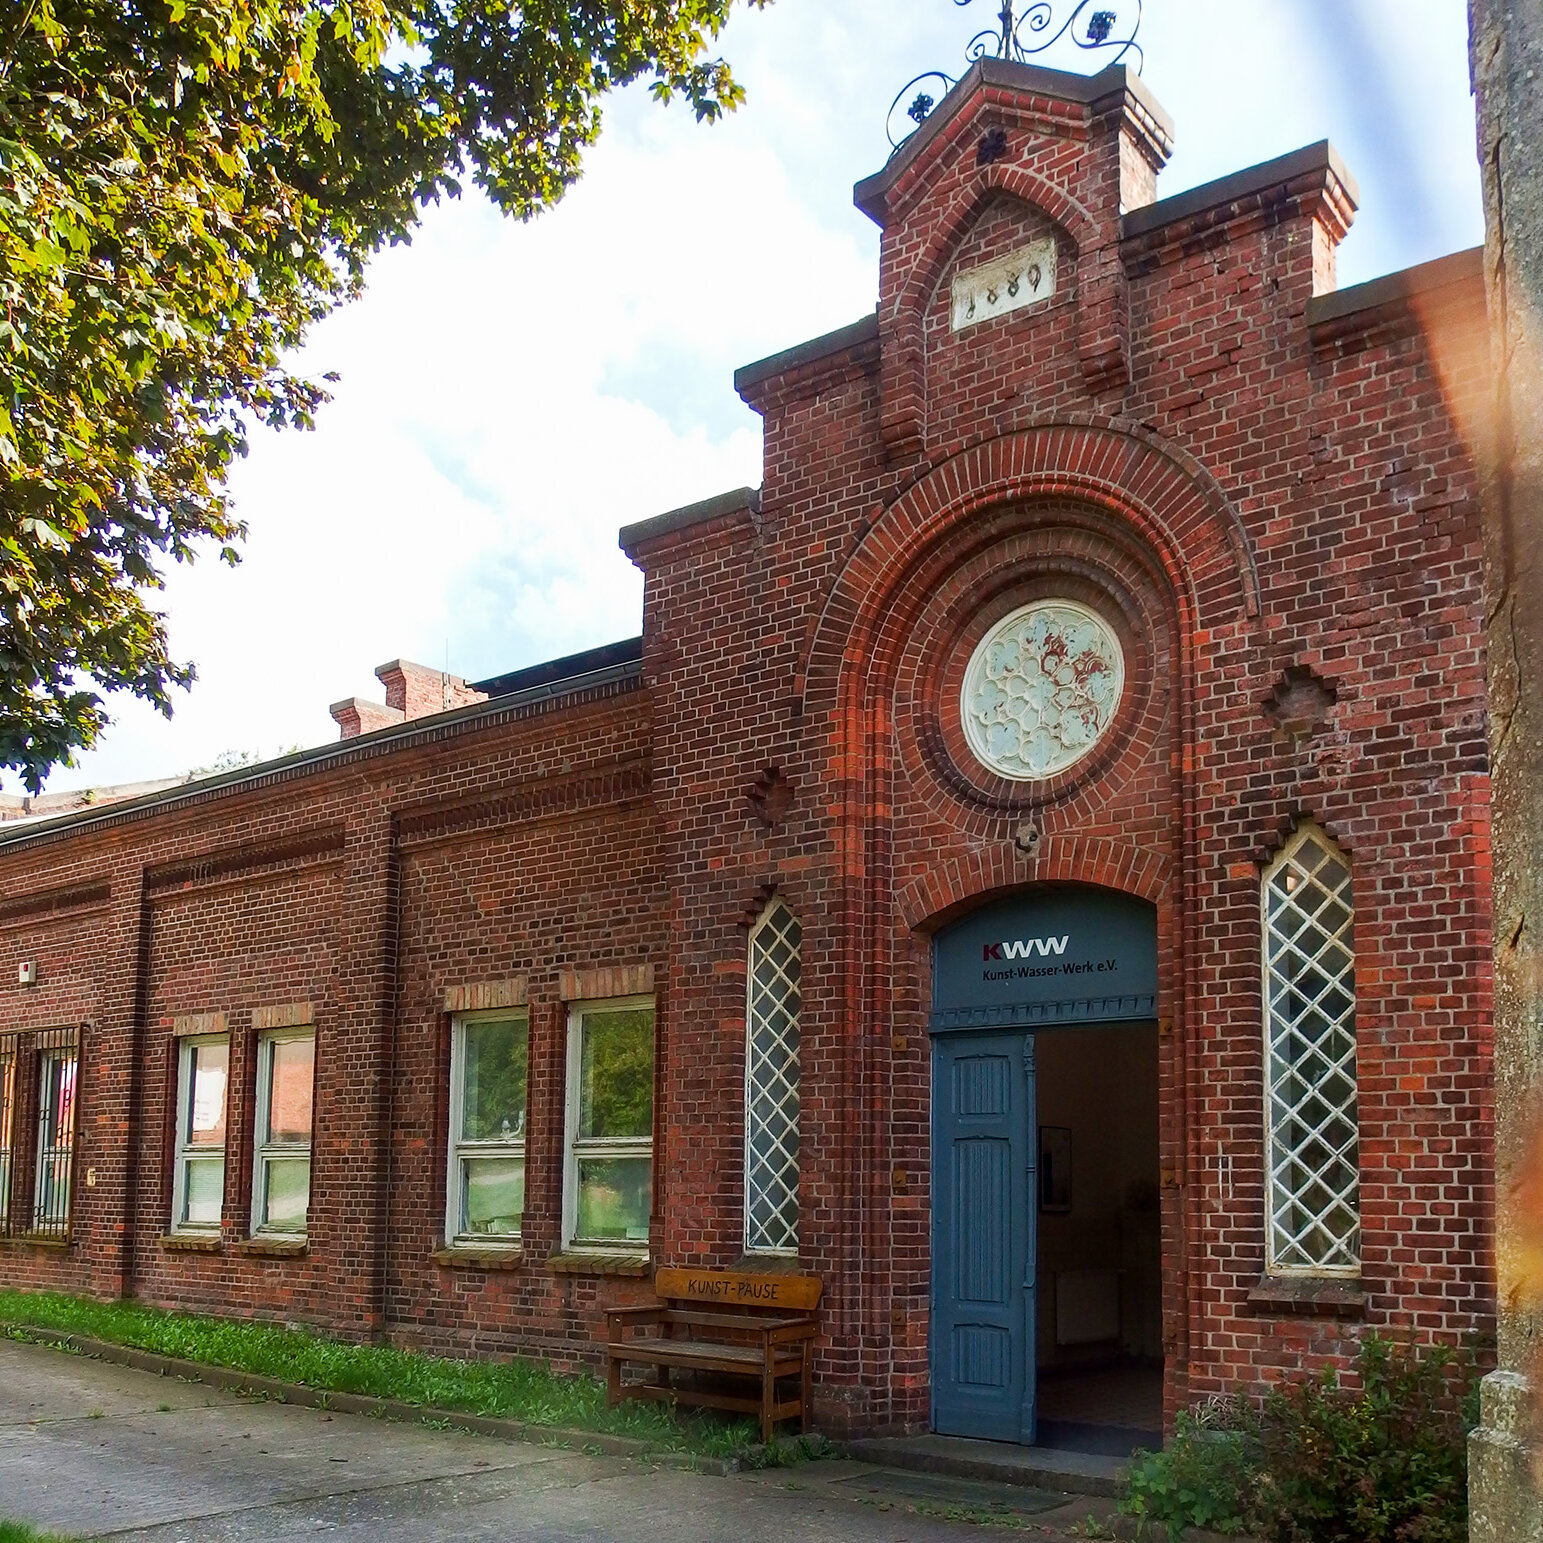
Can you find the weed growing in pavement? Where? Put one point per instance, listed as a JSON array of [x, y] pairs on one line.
[[1091, 1527], [516, 1390], [782, 1452]]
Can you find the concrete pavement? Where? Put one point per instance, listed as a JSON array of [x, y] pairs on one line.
[[100, 1451]]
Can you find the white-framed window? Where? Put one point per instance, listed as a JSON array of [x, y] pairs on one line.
[[1312, 1129], [608, 1179], [58, 1073], [281, 1178], [489, 1084], [771, 1083], [198, 1177]]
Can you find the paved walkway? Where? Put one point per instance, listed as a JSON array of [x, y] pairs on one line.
[[99, 1451]]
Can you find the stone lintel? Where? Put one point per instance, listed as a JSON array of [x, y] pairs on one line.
[[616, 980], [477, 996]]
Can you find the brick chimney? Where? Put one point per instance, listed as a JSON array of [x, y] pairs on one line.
[[415, 691], [358, 715], [412, 691]]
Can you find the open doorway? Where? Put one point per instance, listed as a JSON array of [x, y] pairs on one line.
[[1099, 1276]]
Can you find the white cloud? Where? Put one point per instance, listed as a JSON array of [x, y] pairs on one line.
[[512, 394]]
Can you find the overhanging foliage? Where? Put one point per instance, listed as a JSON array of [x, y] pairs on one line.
[[185, 187]]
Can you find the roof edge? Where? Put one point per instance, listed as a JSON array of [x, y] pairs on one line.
[[742, 500], [828, 344], [1066, 85], [321, 758], [585, 662], [1398, 288], [1319, 157]]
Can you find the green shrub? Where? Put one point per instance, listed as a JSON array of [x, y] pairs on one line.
[[1205, 1477], [1385, 1463]]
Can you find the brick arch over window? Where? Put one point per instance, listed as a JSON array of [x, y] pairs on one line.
[[1173, 505], [902, 379]]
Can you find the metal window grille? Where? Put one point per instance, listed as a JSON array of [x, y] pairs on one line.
[[1310, 1053], [58, 1071], [771, 1083], [8, 1049]]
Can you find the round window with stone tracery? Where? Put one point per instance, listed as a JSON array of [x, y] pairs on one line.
[[1041, 689]]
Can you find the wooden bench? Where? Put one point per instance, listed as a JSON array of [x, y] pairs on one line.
[[720, 1321]]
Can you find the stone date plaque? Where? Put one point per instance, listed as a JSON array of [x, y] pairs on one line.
[[1022, 278]]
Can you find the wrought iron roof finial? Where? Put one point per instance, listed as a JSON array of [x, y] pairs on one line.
[[1019, 37]]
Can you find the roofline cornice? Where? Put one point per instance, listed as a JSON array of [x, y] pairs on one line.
[[576, 691]]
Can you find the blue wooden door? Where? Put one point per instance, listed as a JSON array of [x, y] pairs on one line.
[[984, 1195]]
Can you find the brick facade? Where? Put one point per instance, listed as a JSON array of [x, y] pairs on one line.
[[1262, 484]]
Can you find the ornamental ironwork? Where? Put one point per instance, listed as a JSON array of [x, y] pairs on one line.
[[1041, 689], [1102, 27]]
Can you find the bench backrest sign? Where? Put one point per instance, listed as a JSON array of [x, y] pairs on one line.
[[730, 1288]]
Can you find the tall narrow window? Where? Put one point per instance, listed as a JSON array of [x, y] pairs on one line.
[[1310, 1055], [7, 1122], [489, 1076], [198, 1186], [58, 1067], [281, 1184], [771, 1084], [609, 1175]]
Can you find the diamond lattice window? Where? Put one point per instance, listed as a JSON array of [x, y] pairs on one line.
[[771, 1084], [1309, 988]]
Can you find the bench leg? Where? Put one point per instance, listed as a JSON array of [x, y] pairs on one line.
[[768, 1401], [805, 1387], [612, 1380]]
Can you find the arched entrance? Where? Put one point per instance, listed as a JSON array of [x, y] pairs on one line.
[[1046, 1277]]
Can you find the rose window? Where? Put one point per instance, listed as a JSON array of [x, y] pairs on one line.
[[1041, 689]]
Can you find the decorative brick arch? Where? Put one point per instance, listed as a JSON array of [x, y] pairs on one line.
[[1174, 507], [976, 876], [1163, 506], [956, 221], [902, 370]]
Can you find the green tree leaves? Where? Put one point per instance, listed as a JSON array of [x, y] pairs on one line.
[[185, 187]]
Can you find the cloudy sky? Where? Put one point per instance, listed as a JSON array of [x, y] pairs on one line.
[[512, 394]]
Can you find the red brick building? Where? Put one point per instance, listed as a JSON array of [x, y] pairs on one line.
[[1032, 873]]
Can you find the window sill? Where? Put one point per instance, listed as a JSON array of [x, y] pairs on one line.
[[459, 1256], [1308, 1297], [264, 1246], [35, 1240], [635, 1266], [193, 1242], [768, 1264]]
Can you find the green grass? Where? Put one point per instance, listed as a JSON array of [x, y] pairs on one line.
[[516, 1390], [20, 1532]]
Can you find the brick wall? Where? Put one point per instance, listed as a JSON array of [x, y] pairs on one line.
[[514, 844], [1267, 487], [1264, 487]]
